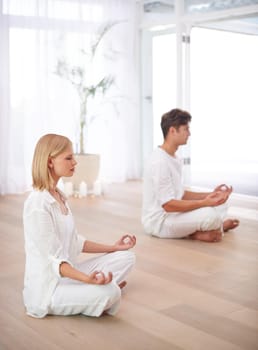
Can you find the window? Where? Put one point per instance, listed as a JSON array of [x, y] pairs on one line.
[[225, 110]]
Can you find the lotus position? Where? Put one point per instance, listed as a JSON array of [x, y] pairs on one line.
[[55, 283], [168, 210]]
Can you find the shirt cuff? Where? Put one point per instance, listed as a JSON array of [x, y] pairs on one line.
[[56, 262]]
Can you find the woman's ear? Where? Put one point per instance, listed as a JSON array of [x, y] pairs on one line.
[[50, 163]]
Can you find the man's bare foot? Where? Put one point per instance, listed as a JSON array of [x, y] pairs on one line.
[[122, 284], [230, 224], [207, 236]]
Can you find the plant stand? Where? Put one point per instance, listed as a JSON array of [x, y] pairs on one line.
[[87, 170]]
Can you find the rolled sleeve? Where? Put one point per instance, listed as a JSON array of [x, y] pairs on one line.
[[55, 264]]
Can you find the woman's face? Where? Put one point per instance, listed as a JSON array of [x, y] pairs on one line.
[[63, 164]]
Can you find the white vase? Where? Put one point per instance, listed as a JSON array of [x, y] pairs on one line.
[[87, 170]]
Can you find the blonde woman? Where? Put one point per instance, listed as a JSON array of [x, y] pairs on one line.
[[54, 283]]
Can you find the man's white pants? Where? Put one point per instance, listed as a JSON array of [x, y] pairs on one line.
[[74, 297], [179, 225]]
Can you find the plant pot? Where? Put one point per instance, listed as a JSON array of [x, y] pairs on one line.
[[87, 170]]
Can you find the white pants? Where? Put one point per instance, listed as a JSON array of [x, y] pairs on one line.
[[178, 225], [74, 297]]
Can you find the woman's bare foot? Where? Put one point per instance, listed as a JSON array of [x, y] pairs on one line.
[[122, 284], [207, 236], [230, 224]]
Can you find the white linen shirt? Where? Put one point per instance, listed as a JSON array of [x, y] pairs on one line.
[[162, 182], [50, 238]]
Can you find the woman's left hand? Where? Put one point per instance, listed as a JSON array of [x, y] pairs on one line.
[[125, 242]]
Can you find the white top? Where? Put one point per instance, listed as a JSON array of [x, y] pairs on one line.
[[50, 238], [162, 182]]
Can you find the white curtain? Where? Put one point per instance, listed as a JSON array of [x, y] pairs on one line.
[[34, 100]]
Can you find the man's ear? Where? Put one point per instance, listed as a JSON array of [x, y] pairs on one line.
[[172, 129]]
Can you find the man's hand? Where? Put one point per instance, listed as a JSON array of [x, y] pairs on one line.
[[224, 188], [216, 198]]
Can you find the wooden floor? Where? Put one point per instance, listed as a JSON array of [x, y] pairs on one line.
[[182, 294]]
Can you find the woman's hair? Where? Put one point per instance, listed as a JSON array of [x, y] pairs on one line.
[[50, 145], [176, 118]]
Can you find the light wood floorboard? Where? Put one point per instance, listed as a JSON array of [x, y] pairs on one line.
[[182, 294]]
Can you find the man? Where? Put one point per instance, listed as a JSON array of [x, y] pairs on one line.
[[168, 210]]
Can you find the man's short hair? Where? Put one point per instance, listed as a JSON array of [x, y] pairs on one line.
[[176, 117]]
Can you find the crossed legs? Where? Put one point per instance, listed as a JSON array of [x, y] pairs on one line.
[[215, 235], [204, 224], [73, 297]]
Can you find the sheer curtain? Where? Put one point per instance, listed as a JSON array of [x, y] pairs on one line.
[[34, 100]]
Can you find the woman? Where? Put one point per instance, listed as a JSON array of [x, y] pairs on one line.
[[54, 282]]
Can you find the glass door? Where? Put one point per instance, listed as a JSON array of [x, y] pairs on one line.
[[158, 83], [224, 143], [206, 65], [164, 80], [161, 63]]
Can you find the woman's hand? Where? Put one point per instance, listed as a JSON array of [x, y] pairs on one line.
[[125, 242], [98, 277]]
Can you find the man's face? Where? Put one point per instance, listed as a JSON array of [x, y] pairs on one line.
[[182, 133]]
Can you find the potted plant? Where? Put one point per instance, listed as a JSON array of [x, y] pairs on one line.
[[80, 76]]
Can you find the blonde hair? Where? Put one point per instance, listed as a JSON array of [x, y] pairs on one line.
[[50, 145]]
